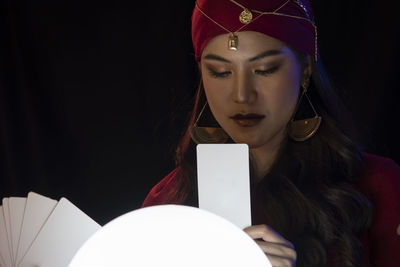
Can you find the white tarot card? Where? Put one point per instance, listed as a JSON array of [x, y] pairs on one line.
[[6, 213], [2, 264], [16, 207], [38, 208], [64, 232], [5, 252], [223, 178]]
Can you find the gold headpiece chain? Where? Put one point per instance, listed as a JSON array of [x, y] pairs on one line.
[[246, 17]]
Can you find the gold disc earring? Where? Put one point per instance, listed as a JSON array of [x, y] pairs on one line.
[[207, 135], [302, 130]]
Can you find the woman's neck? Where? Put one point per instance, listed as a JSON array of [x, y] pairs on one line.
[[262, 158]]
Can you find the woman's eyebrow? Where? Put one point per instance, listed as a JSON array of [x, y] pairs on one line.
[[257, 57], [215, 57], [266, 54]]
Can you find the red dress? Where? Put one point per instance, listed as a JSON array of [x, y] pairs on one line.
[[379, 182]]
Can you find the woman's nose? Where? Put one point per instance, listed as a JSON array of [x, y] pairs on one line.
[[243, 91]]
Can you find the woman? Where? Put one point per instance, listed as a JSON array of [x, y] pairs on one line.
[[262, 84]]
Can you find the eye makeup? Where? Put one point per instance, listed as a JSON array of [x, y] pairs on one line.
[[217, 71], [268, 71], [217, 74]]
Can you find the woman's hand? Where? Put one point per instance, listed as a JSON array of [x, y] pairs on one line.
[[280, 252]]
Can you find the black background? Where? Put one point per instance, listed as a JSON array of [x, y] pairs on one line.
[[93, 99]]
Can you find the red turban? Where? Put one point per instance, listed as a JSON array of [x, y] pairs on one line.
[[290, 21]]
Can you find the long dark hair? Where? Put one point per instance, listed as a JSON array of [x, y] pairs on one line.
[[309, 190]]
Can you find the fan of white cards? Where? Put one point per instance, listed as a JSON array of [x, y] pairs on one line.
[[37, 231]]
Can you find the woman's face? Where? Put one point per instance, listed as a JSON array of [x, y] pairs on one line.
[[252, 92]]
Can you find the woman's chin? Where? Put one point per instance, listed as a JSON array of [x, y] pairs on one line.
[[251, 142]]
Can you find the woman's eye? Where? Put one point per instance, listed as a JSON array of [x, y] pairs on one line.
[[267, 72], [217, 74]]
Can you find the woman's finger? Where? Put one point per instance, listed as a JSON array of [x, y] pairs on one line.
[[273, 249], [267, 234], [277, 261]]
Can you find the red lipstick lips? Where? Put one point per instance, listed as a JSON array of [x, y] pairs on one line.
[[247, 120]]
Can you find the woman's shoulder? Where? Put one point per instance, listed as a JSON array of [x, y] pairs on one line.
[[161, 192], [380, 183], [379, 175], [375, 162]]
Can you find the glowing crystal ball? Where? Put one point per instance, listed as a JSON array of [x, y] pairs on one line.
[[170, 236]]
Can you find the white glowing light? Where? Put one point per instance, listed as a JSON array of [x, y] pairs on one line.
[[170, 236]]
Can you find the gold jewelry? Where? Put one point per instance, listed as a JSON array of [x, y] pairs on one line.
[[233, 40], [302, 130], [207, 135], [246, 17]]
